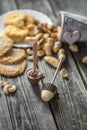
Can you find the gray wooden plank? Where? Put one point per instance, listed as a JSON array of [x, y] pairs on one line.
[[77, 103], [25, 114], [70, 111], [5, 120], [5, 117], [26, 108], [78, 59]]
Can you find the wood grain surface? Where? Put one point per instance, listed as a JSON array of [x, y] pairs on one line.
[[25, 110]]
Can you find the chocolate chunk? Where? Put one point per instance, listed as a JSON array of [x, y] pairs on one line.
[[34, 77]]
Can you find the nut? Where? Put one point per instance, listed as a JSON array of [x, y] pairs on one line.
[[73, 48], [36, 32], [59, 28], [5, 83], [33, 39], [50, 26], [48, 49], [50, 41], [51, 60], [1, 83], [48, 46], [57, 46], [6, 88], [38, 36], [30, 58], [30, 39], [62, 57], [29, 51], [43, 28], [59, 32], [9, 88], [36, 22], [54, 34], [40, 53], [64, 74], [12, 89], [84, 60], [61, 51], [45, 36], [54, 29]]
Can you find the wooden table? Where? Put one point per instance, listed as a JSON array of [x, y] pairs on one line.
[[25, 110]]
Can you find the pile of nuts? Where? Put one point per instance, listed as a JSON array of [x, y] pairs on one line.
[[47, 48], [47, 51], [47, 45], [46, 36], [7, 87]]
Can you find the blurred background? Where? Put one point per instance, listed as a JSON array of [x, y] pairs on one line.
[[75, 6]]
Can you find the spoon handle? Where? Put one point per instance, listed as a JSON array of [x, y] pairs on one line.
[[57, 70], [35, 56]]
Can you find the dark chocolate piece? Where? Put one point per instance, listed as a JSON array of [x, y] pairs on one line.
[[50, 87], [48, 92], [34, 77]]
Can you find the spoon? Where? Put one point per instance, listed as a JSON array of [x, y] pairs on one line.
[[49, 89]]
